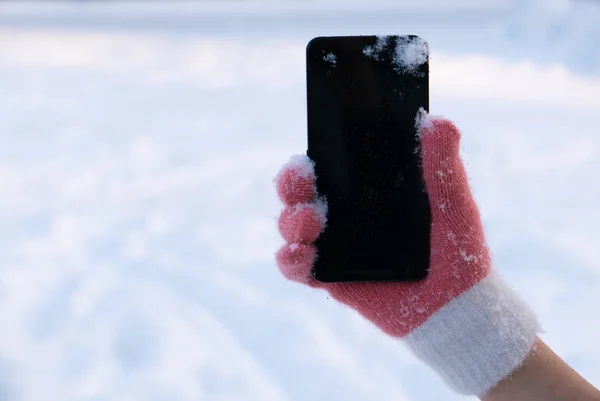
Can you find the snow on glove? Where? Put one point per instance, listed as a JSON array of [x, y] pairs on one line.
[[462, 320]]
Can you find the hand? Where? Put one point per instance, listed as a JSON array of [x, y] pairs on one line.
[[463, 320]]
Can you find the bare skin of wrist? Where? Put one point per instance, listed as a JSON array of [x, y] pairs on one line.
[[543, 377]]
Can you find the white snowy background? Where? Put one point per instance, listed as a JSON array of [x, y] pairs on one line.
[[138, 142]]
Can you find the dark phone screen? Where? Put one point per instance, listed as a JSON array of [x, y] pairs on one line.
[[364, 93]]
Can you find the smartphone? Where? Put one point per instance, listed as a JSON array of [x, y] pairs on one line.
[[363, 97]]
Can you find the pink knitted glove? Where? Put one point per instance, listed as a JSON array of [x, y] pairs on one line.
[[462, 320]]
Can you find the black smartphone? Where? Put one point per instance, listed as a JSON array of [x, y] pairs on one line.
[[363, 96]]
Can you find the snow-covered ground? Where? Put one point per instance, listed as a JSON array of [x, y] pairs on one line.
[[137, 148]]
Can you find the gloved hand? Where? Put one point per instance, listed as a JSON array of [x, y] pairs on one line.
[[462, 320]]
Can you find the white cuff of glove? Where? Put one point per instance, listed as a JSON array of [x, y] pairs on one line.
[[478, 338]]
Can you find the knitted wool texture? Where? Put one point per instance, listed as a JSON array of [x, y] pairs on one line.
[[463, 320]]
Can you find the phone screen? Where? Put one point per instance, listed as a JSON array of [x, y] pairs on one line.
[[363, 97]]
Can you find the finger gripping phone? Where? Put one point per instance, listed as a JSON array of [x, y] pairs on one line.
[[363, 97]]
